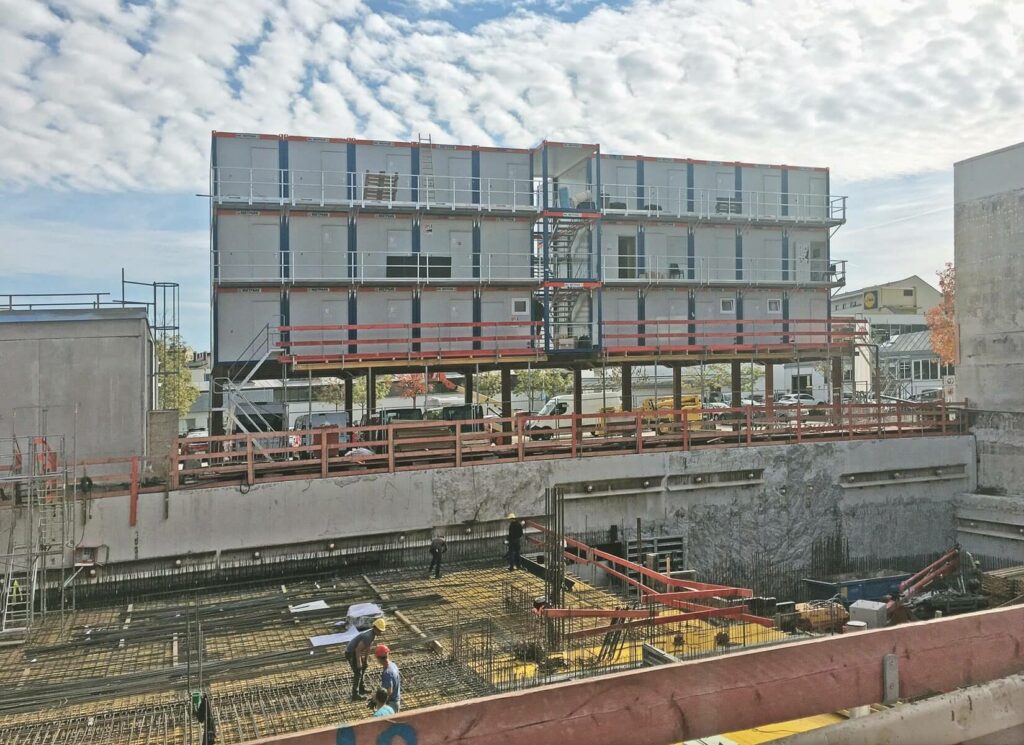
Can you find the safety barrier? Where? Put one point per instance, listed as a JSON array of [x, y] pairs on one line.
[[418, 445]]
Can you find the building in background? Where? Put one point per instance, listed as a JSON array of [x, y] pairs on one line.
[[910, 367], [86, 375], [349, 258], [989, 235], [883, 311]]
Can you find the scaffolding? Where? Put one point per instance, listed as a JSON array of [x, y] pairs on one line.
[[34, 476]]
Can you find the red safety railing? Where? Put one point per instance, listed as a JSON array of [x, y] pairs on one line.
[[276, 456], [422, 342], [367, 342]]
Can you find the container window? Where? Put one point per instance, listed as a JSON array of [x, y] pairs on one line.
[[774, 305], [727, 305]]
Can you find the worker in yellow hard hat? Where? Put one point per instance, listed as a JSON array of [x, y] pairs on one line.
[[357, 652], [514, 542]]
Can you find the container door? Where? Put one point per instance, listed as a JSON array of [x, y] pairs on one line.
[[676, 197], [399, 315], [335, 178], [460, 315], [333, 250], [770, 202], [519, 186], [459, 262], [817, 199], [458, 187], [266, 179], [264, 256]]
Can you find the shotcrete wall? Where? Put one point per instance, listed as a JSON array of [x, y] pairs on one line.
[[891, 497]]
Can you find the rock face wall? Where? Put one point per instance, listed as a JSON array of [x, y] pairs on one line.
[[777, 503]]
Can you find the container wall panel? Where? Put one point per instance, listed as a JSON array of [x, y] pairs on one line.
[[248, 168], [619, 183], [241, 316], [665, 313], [377, 238], [665, 248], [318, 307], [620, 251], [619, 305], [709, 308], [504, 306], [762, 186], [764, 306], [386, 159], [447, 246], [318, 247], [665, 187], [809, 249], [248, 247], [506, 247], [390, 308], [454, 309], [452, 181], [318, 172], [715, 252], [505, 179]]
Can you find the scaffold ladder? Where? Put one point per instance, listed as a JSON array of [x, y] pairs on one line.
[[426, 184]]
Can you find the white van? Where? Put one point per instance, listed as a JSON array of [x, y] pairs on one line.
[[320, 420], [593, 403]]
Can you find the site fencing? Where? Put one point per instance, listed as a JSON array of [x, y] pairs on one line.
[[279, 456]]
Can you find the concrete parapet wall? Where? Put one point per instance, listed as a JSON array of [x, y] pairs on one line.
[[991, 526], [885, 497]]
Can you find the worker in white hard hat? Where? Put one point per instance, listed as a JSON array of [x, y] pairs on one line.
[[514, 541], [357, 652]]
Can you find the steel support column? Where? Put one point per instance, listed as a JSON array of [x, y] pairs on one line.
[[769, 388], [371, 391], [737, 384], [627, 387], [577, 397], [467, 387]]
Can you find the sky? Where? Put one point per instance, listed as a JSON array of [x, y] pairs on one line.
[[106, 107]]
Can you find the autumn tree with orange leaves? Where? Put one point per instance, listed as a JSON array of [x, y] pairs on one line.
[[941, 322], [410, 385]]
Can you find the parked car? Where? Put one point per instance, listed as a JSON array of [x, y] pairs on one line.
[[932, 394], [306, 423], [791, 399], [196, 446]]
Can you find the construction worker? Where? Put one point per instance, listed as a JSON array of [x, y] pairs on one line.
[[514, 541], [380, 704], [357, 651], [390, 678], [438, 547]]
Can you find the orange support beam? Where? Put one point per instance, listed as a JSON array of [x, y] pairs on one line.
[[684, 701]]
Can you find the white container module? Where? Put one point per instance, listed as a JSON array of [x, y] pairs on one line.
[[870, 612], [362, 615]]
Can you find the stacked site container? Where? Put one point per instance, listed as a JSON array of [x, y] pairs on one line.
[[339, 232]]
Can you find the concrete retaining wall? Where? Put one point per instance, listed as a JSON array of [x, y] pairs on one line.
[[798, 494]]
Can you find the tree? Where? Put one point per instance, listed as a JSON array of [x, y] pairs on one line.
[[546, 383], [488, 384], [332, 392], [382, 388], [410, 385], [941, 320], [174, 384], [720, 376]]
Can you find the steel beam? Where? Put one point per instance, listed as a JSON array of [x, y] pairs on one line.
[[688, 700]]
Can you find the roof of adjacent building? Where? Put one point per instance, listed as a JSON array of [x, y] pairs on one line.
[[912, 343], [895, 283], [72, 314]]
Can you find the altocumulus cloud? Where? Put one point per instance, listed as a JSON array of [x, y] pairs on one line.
[[100, 95]]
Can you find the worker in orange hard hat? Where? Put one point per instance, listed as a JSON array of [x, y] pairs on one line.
[[514, 542], [390, 678]]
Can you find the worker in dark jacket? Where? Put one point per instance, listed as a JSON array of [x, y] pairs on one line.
[[357, 651], [438, 547], [514, 541]]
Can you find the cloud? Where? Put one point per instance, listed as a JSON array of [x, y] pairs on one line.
[[101, 95]]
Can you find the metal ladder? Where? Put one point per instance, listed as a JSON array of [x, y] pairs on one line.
[[15, 613], [426, 184]]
